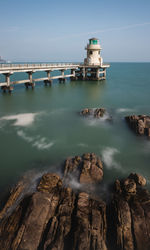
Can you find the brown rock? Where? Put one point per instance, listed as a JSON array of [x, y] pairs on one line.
[[49, 182], [129, 186], [130, 209], [99, 112], [139, 179], [86, 111], [140, 124], [56, 217]]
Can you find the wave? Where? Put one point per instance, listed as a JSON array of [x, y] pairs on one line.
[[42, 144], [23, 120], [24, 136], [92, 121], [82, 145], [124, 110], [39, 142], [108, 158]]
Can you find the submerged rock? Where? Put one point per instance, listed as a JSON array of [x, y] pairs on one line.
[[139, 123], [97, 113], [57, 216]]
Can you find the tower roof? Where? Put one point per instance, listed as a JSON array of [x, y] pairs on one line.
[[93, 38]]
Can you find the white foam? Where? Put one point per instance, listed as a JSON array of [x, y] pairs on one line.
[[83, 145], [42, 144], [108, 158], [93, 121], [25, 119], [24, 136], [73, 183], [38, 142], [123, 110]]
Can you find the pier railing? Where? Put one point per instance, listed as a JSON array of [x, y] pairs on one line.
[[35, 65]]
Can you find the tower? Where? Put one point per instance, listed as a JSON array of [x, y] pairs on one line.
[[93, 53]]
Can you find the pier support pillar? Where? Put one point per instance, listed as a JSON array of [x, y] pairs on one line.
[[48, 81], [63, 72], [104, 74], [31, 83], [83, 74], [73, 73], [7, 87], [62, 80], [63, 77], [97, 74]]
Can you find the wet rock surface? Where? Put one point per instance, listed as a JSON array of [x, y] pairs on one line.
[[97, 113], [139, 123], [129, 218], [59, 216]]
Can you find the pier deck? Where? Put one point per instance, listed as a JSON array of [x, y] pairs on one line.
[[78, 71]]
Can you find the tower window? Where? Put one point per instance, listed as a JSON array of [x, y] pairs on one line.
[[94, 41], [91, 52]]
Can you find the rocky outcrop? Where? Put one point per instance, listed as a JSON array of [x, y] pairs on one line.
[[65, 213], [54, 216], [139, 123], [97, 113], [130, 211]]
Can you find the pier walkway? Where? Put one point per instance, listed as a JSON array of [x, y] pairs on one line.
[[9, 69], [77, 71]]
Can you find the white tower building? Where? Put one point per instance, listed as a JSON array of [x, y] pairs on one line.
[[93, 53]]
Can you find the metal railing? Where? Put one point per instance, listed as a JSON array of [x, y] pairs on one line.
[[35, 65]]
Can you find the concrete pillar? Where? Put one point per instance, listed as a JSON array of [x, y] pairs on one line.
[[31, 82], [48, 81], [63, 76], [97, 73], [62, 72], [8, 86], [73, 72], [104, 75], [83, 73], [7, 77], [30, 77], [48, 74]]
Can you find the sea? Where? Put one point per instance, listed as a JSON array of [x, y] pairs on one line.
[[40, 128]]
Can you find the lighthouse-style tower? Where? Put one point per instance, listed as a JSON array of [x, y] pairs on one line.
[[93, 53], [93, 67]]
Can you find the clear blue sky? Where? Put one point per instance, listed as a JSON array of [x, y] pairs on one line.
[[48, 30]]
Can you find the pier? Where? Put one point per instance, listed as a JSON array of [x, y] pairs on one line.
[[92, 69], [78, 72], [9, 69]]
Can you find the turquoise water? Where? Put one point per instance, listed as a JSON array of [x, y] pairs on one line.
[[40, 128]]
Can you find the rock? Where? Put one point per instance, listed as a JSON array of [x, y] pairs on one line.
[[49, 182], [139, 179], [97, 113], [86, 111], [129, 186], [140, 124], [87, 169], [55, 216], [130, 208]]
